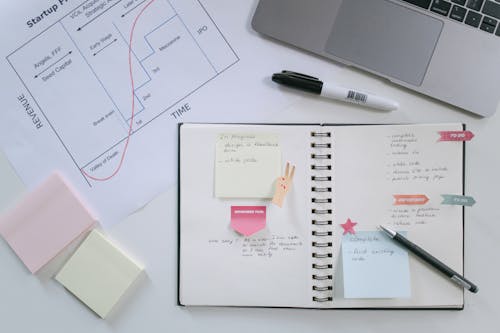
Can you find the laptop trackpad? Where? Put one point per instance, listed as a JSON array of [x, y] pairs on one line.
[[385, 37]]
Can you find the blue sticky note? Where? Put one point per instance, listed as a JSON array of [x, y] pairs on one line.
[[374, 266]]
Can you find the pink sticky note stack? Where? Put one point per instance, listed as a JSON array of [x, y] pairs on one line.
[[45, 222]]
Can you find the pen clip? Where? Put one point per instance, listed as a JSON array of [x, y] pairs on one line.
[[300, 76]]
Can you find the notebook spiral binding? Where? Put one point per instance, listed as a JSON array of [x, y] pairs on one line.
[[321, 213]]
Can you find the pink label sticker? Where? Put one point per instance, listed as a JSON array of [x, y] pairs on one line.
[[410, 199], [456, 135], [247, 220]]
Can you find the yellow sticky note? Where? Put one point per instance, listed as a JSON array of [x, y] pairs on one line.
[[98, 273], [246, 165]]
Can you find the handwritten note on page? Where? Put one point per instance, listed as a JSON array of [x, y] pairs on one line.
[[246, 165], [374, 266]]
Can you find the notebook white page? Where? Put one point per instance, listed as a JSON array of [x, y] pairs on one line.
[[368, 161], [213, 270]]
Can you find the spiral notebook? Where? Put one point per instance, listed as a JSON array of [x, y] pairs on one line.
[[298, 255]]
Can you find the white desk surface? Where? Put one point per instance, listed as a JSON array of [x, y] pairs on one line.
[[39, 304]]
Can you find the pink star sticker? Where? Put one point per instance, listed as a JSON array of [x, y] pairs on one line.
[[349, 227]]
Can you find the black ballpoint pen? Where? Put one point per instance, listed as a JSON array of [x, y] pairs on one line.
[[431, 260]]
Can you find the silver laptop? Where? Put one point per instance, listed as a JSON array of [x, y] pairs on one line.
[[449, 50]]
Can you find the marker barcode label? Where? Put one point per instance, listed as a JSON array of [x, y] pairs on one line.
[[357, 96]]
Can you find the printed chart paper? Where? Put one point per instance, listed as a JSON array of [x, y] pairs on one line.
[[67, 93]]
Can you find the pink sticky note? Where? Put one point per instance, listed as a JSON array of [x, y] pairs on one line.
[[247, 220], [45, 222]]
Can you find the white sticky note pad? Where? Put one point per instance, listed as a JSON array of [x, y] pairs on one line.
[[246, 165], [98, 273]]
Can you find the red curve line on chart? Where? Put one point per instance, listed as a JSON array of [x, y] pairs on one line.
[[133, 100]]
